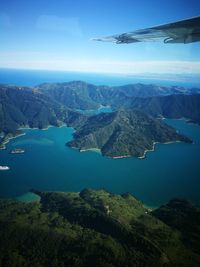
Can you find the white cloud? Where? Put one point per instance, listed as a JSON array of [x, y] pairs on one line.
[[4, 20], [69, 25], [160, 67]]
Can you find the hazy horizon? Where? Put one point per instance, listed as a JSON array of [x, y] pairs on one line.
[[32, 77]]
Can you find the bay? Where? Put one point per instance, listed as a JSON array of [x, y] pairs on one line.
[[172, 170]]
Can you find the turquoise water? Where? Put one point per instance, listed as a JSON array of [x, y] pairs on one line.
[[173, 170], [28, 197]]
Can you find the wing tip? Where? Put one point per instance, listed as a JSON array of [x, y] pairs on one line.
[[104, 39], [95, 39]]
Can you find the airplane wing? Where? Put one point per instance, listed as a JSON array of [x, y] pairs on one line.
[[184, 31]]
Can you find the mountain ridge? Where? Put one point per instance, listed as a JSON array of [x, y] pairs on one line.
[[55, 104], [171, 102], [94, 95]]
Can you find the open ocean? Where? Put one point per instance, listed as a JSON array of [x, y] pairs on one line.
[[35, 77]]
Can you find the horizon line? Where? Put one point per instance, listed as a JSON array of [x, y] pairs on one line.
[[104, 72]]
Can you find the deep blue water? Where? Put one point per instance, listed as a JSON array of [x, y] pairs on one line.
[[172, 170], [35, 77]]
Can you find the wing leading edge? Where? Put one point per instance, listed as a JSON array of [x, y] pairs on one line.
[[184, 31]]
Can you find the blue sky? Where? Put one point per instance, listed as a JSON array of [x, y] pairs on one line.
[[56, 35]]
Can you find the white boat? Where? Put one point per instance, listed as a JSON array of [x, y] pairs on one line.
[[17, 151], [4, 168]]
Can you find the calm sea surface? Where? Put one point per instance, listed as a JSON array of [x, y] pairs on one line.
[[35, 77], [172, 170]]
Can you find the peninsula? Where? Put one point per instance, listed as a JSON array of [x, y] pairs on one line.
[[124, 133]]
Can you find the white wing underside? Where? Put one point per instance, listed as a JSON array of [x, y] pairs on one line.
[[185, 31]]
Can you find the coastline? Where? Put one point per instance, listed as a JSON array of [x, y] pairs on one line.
[[153, 148], [7, 140], [128, 156], [171, 142], [121, 157], [43, 129], [148, 150], [94, 149], [51, 126]]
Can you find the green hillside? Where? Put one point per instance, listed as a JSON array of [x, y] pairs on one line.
[[22, 106], [94, 228]]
